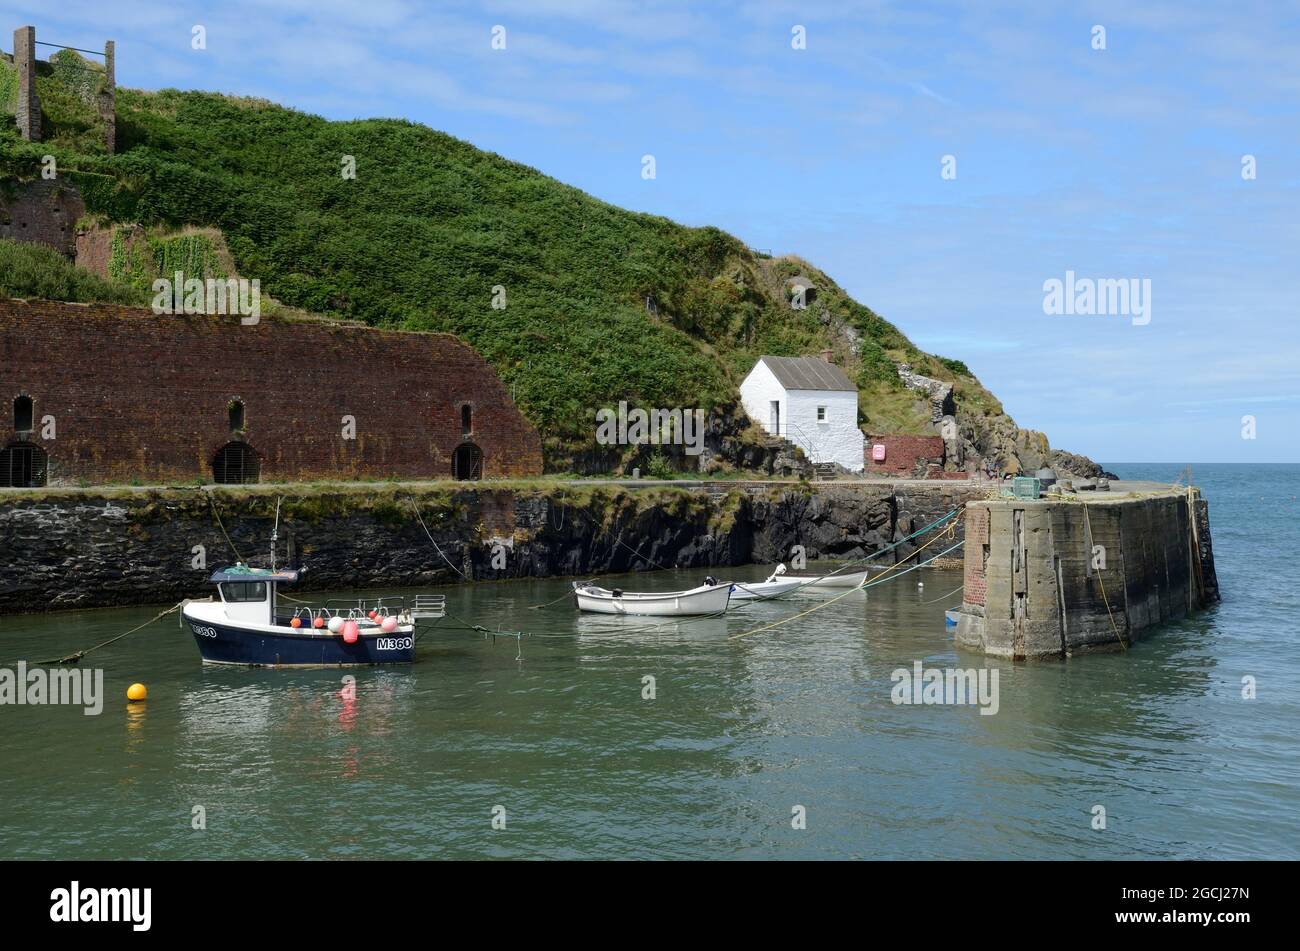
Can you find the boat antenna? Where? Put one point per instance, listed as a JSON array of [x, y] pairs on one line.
[[275, 530]]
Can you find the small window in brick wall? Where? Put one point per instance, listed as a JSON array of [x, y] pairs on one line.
[[236, 409], [23, 414], [466, 420]]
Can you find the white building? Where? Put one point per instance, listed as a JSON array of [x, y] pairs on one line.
[[809, 401]]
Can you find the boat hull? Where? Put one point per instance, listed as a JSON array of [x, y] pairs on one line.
[[763, 590], [225, 643], [708, 600], [845, 579]]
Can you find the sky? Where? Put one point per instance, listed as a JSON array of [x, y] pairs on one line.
[[942, 162]]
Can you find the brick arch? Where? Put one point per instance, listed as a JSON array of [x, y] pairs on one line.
[[236, 463], [23, 465]]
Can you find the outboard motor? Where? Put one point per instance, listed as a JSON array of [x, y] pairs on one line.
[[711, 581]]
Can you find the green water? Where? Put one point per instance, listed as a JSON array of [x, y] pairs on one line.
[[555, 730]]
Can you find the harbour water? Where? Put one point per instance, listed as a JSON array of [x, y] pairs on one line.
[[556, 733]]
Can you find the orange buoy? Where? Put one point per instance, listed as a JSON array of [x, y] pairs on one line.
[[351, 631], [136, 693], [319, 622], [295, 623]]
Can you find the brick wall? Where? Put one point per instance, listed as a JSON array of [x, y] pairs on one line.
[[975, 551], [42, 212], [140, 397], [903, 453]]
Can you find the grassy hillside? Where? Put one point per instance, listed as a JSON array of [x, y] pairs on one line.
[[431, 225]]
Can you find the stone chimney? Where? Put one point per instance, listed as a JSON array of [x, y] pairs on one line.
[[108, 98], [28, 113], [828, 356]]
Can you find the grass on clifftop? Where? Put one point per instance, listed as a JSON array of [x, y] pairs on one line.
[[431, 229]]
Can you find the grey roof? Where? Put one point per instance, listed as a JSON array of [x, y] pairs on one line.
[[808, 373]]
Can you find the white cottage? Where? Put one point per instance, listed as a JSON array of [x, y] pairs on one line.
[[809, 401]]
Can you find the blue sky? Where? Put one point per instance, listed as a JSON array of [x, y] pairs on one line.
[[1117, 163]]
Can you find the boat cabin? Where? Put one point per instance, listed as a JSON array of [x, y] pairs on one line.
[[249, 593]]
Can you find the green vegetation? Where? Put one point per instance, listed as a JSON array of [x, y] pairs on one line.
[[8, 89], [601, 304], [137, 261], [33, 271]]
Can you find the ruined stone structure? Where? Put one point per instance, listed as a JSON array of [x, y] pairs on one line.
[[27, 111], [42, 212], [1047, 578], [105, 394]]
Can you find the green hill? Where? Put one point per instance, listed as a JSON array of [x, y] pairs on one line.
[[602, 304]]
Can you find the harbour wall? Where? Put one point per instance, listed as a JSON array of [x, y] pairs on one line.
[[80, 548], [1050, 578]]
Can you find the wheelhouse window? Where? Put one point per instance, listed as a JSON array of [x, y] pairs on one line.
[[23, 414], [236, 592]]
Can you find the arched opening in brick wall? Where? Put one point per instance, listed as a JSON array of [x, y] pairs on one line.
[[23, 465], [235, 464], [467, 462], [24, 414]]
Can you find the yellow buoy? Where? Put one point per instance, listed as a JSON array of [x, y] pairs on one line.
[[136, 692]]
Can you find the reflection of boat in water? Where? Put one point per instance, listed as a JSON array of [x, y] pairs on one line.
[[706, 599], [244, 626]]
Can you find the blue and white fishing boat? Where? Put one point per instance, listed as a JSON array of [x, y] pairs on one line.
[[244, 625]]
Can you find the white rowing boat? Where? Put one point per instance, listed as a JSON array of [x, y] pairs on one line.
[[845, 579], [762, 590], [706, 599]]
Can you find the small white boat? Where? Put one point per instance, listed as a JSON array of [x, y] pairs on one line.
[[706, 599], [762, 590], [845, 579], [765, 590]]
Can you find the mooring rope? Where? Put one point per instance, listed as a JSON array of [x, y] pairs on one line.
[[1101, 582], [238, 557], [76, 656], [944, 597], [878, 580], [416, 509]]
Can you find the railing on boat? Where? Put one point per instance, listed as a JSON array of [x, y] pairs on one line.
[[421, 607]]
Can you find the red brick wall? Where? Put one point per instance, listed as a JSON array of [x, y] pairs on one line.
[[902, 453], [140, 397], [974, 552], [43, 212]]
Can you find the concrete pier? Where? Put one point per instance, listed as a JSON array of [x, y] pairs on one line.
[[1095, 570]]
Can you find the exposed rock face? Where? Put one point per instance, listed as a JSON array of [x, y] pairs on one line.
[[975, 443], [81, 551]]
